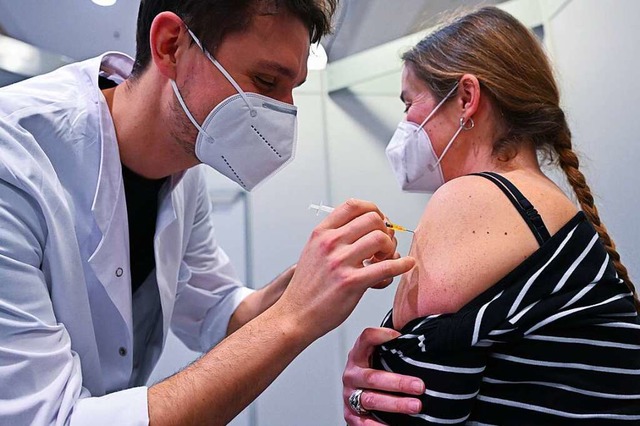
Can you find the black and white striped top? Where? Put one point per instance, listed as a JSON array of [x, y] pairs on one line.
[[556, 341]]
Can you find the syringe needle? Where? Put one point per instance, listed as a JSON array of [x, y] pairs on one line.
[[397, 227], [321, 207]]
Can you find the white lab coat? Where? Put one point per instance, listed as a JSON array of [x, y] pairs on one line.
[[65, 291]]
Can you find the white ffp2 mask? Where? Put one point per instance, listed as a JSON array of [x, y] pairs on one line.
[[247, 137], [412, 158]]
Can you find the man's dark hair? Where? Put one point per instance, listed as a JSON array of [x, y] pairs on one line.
[[211, 20]]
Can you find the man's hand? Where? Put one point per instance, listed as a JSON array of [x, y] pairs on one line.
[[377, 385], [331, 275]]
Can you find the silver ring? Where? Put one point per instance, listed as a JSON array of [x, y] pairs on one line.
[[355, 404]]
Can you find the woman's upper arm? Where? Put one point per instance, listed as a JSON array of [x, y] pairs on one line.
[[468, 238]]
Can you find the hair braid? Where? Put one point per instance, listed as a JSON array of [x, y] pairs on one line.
[[568, 161]]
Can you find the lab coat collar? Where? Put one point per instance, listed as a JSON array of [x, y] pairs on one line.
[[110, 261], [166, 256], [116, 66]]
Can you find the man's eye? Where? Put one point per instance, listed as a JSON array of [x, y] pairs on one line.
[[406, 108], [265, 81]]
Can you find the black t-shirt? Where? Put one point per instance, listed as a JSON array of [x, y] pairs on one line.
[[142, 209]]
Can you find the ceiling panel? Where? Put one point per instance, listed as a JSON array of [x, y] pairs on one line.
[[80, 29], [363, 24]]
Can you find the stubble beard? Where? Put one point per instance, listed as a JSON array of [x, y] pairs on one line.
[[182, 131]]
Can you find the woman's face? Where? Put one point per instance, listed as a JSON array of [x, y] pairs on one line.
[[419, 102], [416, 97]]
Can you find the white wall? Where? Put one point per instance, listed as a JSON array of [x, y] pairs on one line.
[[594, 45]]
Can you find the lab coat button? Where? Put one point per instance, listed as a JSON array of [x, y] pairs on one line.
[[122, 351], [119, 272]]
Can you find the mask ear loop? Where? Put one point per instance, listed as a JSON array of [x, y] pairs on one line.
[[463, 126], [186, 110], [438, 106], [224, 72]]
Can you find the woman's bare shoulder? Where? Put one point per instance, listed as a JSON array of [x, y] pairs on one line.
[[460, 197], [466, 206], [468, 238]]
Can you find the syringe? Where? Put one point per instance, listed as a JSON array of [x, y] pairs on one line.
[[321, 207]]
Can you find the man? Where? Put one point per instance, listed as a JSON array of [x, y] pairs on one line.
[[105, 227]]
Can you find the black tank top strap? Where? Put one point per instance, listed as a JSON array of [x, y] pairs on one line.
[[520, 202]]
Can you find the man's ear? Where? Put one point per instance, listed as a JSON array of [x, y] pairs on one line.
[[469, 93], [169, 40]]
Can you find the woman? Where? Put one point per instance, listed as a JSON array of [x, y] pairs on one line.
[[519, 310]]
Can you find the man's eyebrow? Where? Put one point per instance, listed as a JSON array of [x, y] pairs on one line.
[[402, 97], [280, 69]]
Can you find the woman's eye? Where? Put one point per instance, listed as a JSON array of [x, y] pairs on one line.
[[406, 108]]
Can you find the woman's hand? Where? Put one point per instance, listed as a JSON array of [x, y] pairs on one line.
[[375, 383]]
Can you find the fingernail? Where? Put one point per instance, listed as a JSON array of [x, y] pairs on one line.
[[417, 387], [414, 406]]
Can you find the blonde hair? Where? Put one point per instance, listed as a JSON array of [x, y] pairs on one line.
[[514, 71]]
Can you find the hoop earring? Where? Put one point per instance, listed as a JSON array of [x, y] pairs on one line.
[[465, 125]]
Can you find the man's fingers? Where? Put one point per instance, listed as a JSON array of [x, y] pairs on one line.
[[363, 225], [379, 256], [348, 211], [360, 225], [375, 244], [376, 273], [383, 284]]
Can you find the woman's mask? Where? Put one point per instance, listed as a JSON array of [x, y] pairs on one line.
[[413, 160], [247, 137]]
